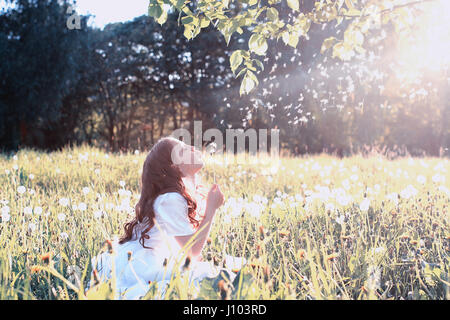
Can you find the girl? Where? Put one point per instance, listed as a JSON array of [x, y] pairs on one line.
[[167, 217]]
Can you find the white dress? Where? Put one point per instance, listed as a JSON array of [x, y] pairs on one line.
[[133, 275]]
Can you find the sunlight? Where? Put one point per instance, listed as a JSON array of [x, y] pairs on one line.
[[428, 46]]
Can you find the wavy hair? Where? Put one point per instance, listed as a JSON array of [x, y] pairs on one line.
[[159, 176]]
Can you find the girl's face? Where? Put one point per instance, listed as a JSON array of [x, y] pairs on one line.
[[187, 158]]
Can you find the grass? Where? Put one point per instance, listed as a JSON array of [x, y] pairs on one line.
[[315, 227]]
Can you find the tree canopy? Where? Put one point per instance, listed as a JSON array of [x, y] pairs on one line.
[[287, 21]]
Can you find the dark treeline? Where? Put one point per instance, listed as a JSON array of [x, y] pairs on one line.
[[125, 86]]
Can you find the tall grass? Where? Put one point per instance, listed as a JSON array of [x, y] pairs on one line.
[[315, 227]]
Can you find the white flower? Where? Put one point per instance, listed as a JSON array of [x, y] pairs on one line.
[[64, 236], [28, 210], [122, 183], [61, 217], [38, 210], [408, 192], [5, 217], [31, 176], [364, 205], [86, 190], [393, 197], [82, 206], [445, 190], [329, 207], [378, 250], [7, 171], [438, 178], [64, 202], [98, 214], [354, 177], [32, 227], [15, 167], [21, 190], [5, 210], [421, 179]]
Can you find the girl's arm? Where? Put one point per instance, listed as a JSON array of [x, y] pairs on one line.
[[214, 201]]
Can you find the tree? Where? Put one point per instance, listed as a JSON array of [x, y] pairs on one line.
[[37, 65], [262, 19]]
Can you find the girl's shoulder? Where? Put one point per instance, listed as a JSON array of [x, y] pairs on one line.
[[172, 197]]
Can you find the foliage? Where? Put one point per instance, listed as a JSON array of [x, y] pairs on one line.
[[286, 20]]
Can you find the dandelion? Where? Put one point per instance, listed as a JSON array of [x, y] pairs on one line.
[[284, 233], [61, 217], [46, 258], [122, 183], [86, 190], [5, 215], [64, 202], [35, 269], [421, 179], [329, 207], [82, 206], [32, 227], [98, 214], [21, 190], [301, 254], [332, 257], [408, 192], [364, 205], [438, 178], [187, 263], [223, 290], [261, 232]]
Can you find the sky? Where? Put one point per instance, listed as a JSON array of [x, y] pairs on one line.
[[106, 11], [109, 11]]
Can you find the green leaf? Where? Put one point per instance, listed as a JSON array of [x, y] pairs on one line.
[[293, 39], [162, 18], [258, 44], [236, 60], [204, 22], [187, 20], [154, 10], [327, 43], [285, 36], [293, 4], [272, 14], [179, 4], [247, 84], [259, 64]]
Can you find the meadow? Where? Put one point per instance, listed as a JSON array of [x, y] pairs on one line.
[[314, 227]]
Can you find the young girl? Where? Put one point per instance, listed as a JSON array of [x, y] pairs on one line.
[[167, 217]]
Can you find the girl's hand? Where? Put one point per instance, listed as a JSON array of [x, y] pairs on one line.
[[215, 197]]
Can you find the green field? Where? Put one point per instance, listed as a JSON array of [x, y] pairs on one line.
[[316, 227]]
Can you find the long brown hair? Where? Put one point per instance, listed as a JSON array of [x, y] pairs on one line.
[[159, 175]]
